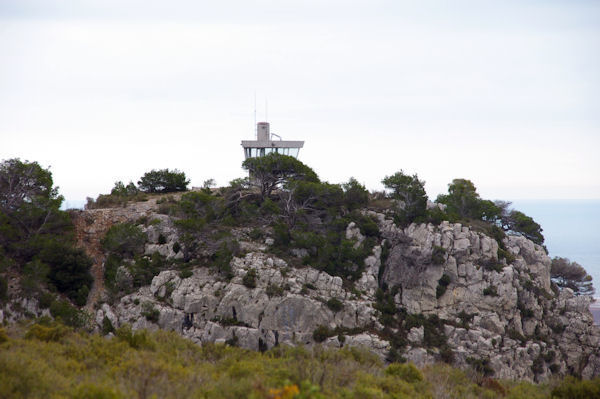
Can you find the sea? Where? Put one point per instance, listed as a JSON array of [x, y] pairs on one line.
[[571, 229]]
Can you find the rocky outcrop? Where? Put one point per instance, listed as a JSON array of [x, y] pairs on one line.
[[502, 316]]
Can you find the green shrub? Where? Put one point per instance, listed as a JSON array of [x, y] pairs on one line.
[[124, 239], [54, 332], [144, 269], [256, 234], [45, 300], [135, 339], [465, 318], [185, 273], [438, 255], [63, 311], [321, 333], [69, 270], [162, 239], [107, 326], [3, 288], [249, 280], [505, 254], [150, 312], [443, 283], [3, 336], [274, 290], [481, 365], [176, 247], [335, 304], [223, 256], [490, 291], [407, 372], [572, 388], [34, 276]]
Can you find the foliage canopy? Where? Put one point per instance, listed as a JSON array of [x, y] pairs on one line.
[[568, 274], [273, 170], [163, 181]]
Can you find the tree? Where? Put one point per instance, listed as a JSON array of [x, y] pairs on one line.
[[462, 199], [124, 190], [33, 231], [355, 194], [567, 274], [124, 239], [163, 181], [524, 225], [411, 191], [29, 207], [303, 196], [273, 170]]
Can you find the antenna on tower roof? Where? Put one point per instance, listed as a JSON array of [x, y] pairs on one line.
[[266, 111], [255, 128]]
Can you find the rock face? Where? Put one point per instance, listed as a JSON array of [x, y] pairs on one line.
[[503, 315]]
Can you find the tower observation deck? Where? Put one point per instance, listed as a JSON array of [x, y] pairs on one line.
[[264, 144]]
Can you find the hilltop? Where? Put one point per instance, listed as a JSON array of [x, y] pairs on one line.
[[285, 259]]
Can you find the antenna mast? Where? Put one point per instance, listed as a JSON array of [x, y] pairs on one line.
[[255, 128]]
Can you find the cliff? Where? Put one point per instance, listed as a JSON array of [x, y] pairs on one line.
[[427, 293]]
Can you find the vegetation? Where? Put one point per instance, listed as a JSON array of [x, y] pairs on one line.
[[275, 170], [36, 238], [464, 203], [567, 274], [51, 360], [163, 181], [120, 195], [443, 284], [411, 192]]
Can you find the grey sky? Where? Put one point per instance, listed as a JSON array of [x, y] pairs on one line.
[[503, 93]]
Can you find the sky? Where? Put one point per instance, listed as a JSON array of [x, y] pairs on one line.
[[504, 93]]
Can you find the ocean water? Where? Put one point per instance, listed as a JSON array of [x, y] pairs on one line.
[[571, 229]]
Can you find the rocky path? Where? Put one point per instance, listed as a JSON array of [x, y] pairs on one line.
[[90, 228]]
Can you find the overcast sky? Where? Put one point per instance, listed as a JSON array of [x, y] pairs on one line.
[[505, 93]]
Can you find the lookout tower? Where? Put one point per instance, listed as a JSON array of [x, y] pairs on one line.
[[264, 143]]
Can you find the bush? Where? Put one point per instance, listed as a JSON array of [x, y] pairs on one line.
[[490, 291], [69, 270], [53, 332], [176, 247], [572, 388], [274, 290], [163, 181], [438, 255], [3, 288], [124, 239], [481, 365], [63, 311], [321, 333], [407, 372], [249, 280], [135, 339], [3, 336], [443, 283], [335, 304], [107, 326], [150, 312]]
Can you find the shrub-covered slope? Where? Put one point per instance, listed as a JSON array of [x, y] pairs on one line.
[[50, 360]]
